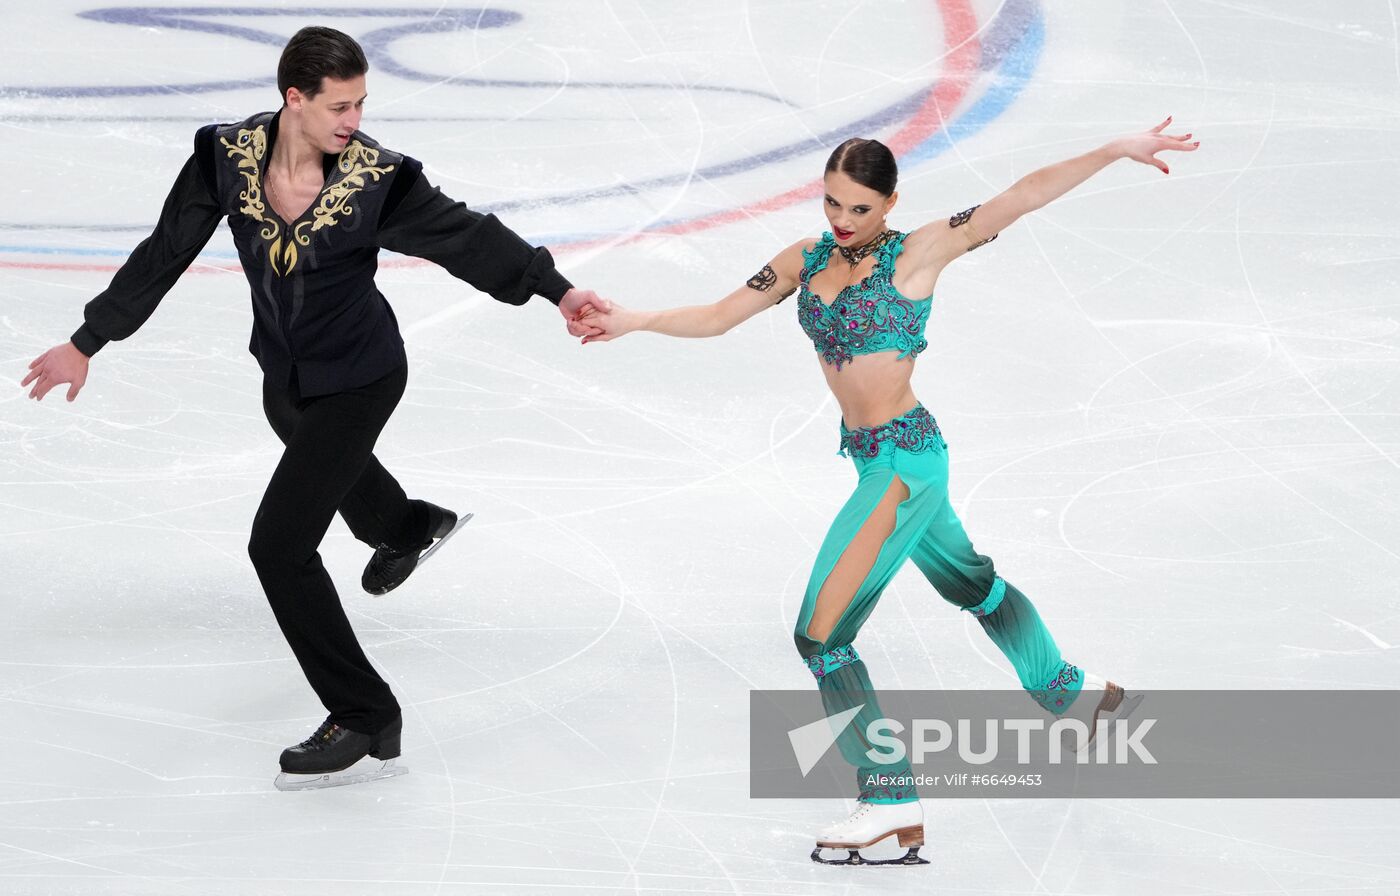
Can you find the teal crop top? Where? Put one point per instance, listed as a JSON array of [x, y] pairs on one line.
[[865, 317]]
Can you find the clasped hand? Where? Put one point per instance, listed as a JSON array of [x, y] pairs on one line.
[[592, 317]]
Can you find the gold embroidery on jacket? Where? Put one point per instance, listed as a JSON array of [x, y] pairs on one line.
[[249, 147], [357, 164], [286, 252]]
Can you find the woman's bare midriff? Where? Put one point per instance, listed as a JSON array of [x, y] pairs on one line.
[[871, 389]]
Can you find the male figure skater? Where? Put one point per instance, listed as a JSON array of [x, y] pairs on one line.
[[310, 202]]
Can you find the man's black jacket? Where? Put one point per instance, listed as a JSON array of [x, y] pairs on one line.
[[315, 304]]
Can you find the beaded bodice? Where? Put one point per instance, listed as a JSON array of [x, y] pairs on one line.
[[865, 317]]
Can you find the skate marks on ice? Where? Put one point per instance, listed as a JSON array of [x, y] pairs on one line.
[[366, 770], [670, 818]]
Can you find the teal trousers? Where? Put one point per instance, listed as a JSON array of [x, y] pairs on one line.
[[910, 448]]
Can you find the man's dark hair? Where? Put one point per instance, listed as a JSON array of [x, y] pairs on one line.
[[315, 53], [867, 162]]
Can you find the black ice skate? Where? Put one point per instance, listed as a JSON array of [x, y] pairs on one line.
[[332, 757], [868, 825], [388, 568]]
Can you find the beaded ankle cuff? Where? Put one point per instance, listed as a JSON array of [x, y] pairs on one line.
[[823, 664]]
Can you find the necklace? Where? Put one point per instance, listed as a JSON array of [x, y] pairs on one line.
[[273, 182], [277, 190], [855, 256]]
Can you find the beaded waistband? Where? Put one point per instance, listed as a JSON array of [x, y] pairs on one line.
[[914, 431]]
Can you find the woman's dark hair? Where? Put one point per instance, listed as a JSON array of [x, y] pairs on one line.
[[867, 162], [315, 53]]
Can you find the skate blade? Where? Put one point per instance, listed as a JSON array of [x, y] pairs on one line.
[[1130, 705], [361, 772], [1125, 709], [853, 857], [462, 521]]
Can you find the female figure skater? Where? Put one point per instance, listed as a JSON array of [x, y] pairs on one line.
[[854, 302]]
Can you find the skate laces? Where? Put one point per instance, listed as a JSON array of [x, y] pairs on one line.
[[387, 556], [318, 740], [862, 809]]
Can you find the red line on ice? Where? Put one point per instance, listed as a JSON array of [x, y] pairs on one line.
[[964, 52]]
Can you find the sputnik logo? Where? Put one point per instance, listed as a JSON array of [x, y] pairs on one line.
[[810, 742]]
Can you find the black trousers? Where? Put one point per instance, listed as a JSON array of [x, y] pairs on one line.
[[327, 466]]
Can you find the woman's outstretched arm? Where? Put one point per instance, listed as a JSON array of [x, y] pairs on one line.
[[774, 282], [942, 242]]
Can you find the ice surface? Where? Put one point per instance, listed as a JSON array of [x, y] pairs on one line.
[[1172, 405]]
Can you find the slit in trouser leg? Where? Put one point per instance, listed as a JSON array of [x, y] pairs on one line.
[[867, 544], [872, 536], [861, 553]]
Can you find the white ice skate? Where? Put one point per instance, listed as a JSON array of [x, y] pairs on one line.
[[868, 825], [1101, 706]]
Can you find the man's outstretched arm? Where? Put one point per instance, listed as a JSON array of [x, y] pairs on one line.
[[420, 220], [187, 221]]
